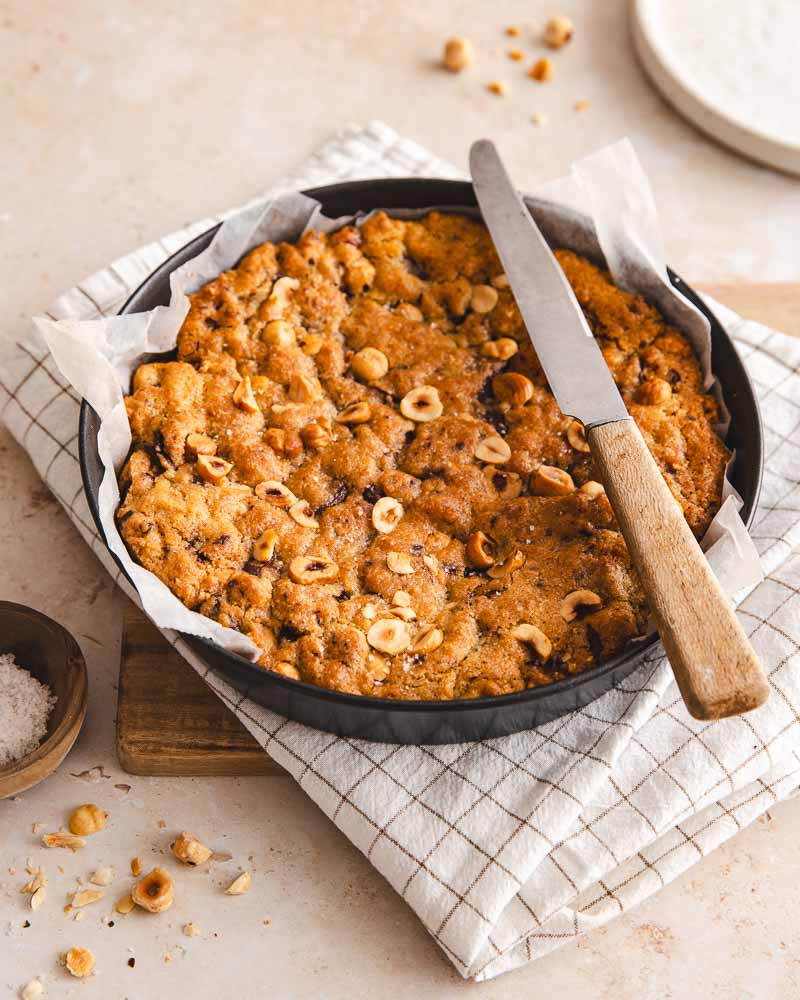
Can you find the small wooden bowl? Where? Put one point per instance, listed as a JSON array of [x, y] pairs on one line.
[[49, 652]]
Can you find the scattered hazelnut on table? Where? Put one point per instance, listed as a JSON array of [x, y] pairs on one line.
[[558, 31], [79, 962], [458, 54], [498, 87], [87, 819], [188, 849], [542, 70], [155, 892], [240, 885]]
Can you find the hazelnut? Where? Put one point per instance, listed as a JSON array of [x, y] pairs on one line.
[[386, 515], [87, 819], [542, 70], [389, 635], [516, 55], [264, 545], [576, 435], [300, 511], [431, 562], [405, 614], [276, 493], [402, 599], [86, 896], [558, 31], [279, 333], [287, 670], [500, 280], [278, 300], [201, 444], [313, 569], [512, 562], [484, 298], [69, 840], [400, 563], [498, 87], [548, 481], [427, 640], [422, 404], [493, 449], [124, 904], [240, 885], [653, 392], [191, 929], [526, 632], [592, 489], [188, 849], [355, 413], [579, 602], [512, 388], [212, 468], [369, 364], [32, 990], [317, 435], [310, 344], [155, 892], [79, 962], [136, 867], [244, 396], [304, 389], [409, 311], [503, 348], [378, 667], [276, 439], [458, 54], [481, 550]]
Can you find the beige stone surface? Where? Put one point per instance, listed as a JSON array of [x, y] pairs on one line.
[[118, 123]]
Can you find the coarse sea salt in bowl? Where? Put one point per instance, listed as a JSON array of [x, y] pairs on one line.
[[43, 648]]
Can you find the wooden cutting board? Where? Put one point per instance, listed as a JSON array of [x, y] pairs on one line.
[[169, 723]]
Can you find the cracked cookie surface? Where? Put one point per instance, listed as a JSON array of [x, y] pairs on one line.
[[355, 460]]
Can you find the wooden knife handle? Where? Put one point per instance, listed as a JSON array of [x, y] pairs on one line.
[[716, 668]]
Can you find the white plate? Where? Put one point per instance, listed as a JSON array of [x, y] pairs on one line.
[[732, 67]]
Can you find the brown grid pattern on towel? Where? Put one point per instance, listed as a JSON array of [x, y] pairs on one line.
[[506, 848]]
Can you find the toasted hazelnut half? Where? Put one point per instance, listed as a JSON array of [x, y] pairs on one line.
[[378, 667], [264, 545], [549, 481], [653, 392], [592, 489], [406, 614], [503, 348], [310, 343], [244, 397], [79, 962], [483, 299], [87, 819], [576, 435], [355, 413], [300, 511], [369, 364], [512, 562], [422, 404], [427, 640], [188, 849], [500, 280], [400, 563], [124, 904], [579, 602], [507, 484], [313, 569], [276, 493], [558, 31], [513, 388], [287, 670], [201, 444], [317, 435], [279, 333], [458, 54], [386, 514], [409, 311], [389, 635], [481, 550], [402, 599], [278, 300], [212, 468], [304, 389], [68, 840], [155, 892], [240, 885], [526, 632], [493, 449]]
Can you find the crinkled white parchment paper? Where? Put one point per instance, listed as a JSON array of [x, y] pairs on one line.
[[98, 357]]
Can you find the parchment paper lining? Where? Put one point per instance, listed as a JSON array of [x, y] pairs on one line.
[[604, 210]]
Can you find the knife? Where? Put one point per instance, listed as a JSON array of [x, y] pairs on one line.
[[716, 668]]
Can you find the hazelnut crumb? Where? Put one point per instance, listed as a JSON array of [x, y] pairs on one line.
[[498, 87], [513, 31], [516, 55], [191, 929], [581, 105], [458, 54], [539, 118], [542, 70]]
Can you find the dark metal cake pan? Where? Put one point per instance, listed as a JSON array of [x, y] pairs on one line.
[[421, 722]]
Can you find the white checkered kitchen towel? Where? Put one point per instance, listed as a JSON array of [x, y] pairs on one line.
[[508, 848]]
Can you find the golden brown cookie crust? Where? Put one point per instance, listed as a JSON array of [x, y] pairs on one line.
[[355, 460]]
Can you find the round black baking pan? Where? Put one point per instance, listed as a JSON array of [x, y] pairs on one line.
[[459, 721]]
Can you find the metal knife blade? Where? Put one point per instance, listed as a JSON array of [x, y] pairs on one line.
[[572, 361]]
